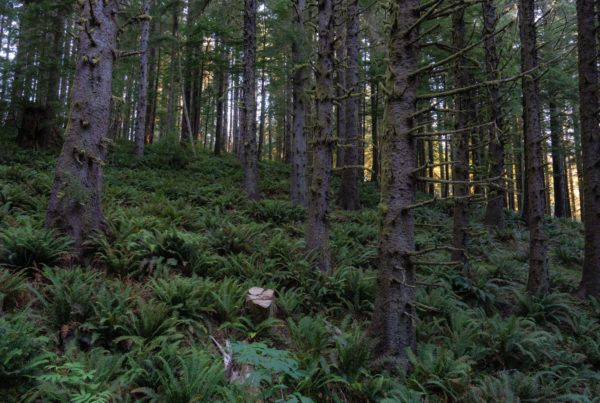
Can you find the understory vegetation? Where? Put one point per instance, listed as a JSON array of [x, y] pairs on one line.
[[183, 246]]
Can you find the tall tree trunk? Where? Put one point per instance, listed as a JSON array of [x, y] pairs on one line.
[[394, 315], [225, 131], [140, 120], [520, 178], [348, 198], [512, 188], [578, 160], [219, 132], [248, 117], [560, 197], [446, 185], [443, 167], [340, 63], [172, 89], [49, 132], [299, 178], [289, 111], [569, 172], [537, 282], [460, 147], [317, 231], [263, 104], [153, 75], [430, 160], [494, 216], [590, 144], [374, 133], [186, 114], [236, 120], [75, 205], [565, 180]]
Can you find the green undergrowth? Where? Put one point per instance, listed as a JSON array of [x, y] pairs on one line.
[[181, 249]]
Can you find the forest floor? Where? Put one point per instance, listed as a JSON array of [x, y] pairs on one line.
[[183, 247]]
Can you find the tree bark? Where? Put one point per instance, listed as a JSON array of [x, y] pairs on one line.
[[374, 133], [172, 90], [494, 215], [235, 123], [394, 315], [140, 120], [348, 198], [49, 133], [299, 186], [263, 104], [75, 205], [248, 112], [460, 147], [560, 196], [287, 138], [219, 132], [317, 231], [590, 144], [537, 282], [340, 62]]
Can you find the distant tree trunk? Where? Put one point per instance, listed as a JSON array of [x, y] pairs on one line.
[[248, 117], [235, 123], [494, 216], [225, 131], [394, 315], [299, 186], [75, 205], [537, 282], [186, 114], [430, 161], [153, 75], [547, 202], [443, 168], [197, 105], [287, 140], [578, 159], [569, 172], [263, 104], [348, 198], [460, 147], [317, 231], [172, 93], [565, 180], [446, 186], [590, 144], [421, 161], [140, 120], [219, 132], [374, 133], [49, 133], [560, 197], [270, 133], [520, 178], [512, 183], [17, 97]]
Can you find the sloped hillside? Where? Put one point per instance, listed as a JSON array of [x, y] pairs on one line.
[[183, 247]]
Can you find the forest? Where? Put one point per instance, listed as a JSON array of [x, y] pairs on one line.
[[299, 201]]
